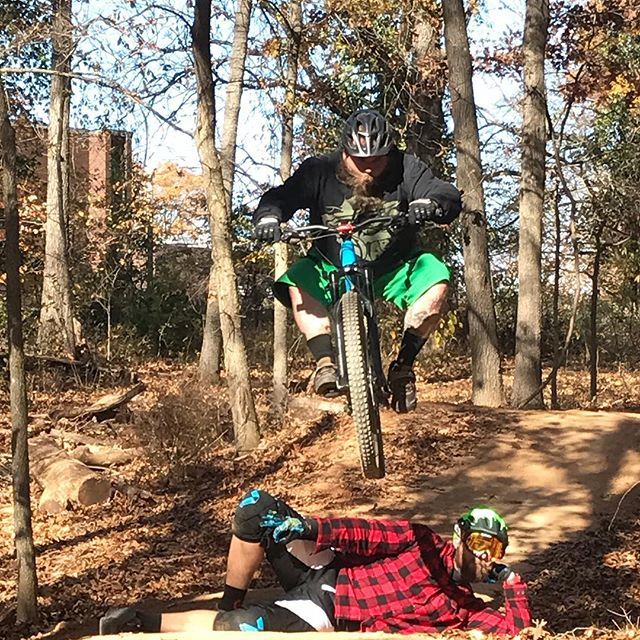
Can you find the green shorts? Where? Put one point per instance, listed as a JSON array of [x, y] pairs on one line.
[[402, 285]]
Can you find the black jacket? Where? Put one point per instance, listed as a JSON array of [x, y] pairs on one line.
[[316, 187]]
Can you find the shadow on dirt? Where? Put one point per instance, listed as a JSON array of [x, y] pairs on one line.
[[590, 579], [440, 461], [174, 553], [557, 479], [558, 488]]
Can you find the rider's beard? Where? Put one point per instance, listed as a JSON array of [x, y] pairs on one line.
[[362, 184], [366, 206]]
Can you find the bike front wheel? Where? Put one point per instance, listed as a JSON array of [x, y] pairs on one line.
[[362, 398]]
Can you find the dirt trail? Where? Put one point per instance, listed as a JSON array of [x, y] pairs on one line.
[[551, 473], [556, 476]]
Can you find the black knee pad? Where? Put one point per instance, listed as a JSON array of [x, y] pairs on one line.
[[246, 522], [249, 619]]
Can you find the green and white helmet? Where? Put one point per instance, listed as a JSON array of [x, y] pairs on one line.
[[484, 520]]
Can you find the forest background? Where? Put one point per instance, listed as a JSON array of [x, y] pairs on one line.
[[131, 71]]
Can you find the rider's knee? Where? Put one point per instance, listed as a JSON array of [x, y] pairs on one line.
[[435, 298], [246, 521], [431, 305]]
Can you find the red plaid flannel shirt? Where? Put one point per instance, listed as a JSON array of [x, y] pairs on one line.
[[398, 578]]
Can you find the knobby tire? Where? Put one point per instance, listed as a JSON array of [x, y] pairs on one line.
[[364, 404]]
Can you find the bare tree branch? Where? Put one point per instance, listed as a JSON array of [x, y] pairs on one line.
[[95, 78]]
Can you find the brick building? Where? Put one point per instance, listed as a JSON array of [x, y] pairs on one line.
[[100, 168]]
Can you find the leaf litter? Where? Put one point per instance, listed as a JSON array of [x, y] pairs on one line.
[[165, 540]]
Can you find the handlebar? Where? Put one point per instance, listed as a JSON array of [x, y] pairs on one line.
[[347, 229], [343, 229]]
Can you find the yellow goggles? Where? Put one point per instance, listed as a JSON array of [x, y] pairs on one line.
[[483, 543]]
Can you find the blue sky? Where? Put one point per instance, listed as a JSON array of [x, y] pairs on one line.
[[156, 142]]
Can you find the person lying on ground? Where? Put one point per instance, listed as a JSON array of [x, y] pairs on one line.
[[353, 574]]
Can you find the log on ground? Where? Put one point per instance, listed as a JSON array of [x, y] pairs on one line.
[[104, 456], [103, 408], [64, 479], [303, 405]]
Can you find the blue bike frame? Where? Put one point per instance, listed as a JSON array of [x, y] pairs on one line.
[[348, 258]]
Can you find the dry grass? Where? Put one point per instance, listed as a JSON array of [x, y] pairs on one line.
[[185, 426]]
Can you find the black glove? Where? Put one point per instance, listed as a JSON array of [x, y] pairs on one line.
[[267, 229], [284, 529], [421, 211], [498, 573]]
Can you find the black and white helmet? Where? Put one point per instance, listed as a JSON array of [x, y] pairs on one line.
[[366, 133]]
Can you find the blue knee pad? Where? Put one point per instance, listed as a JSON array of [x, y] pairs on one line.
[[260, 617]]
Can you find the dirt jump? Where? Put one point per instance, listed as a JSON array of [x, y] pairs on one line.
[[566, 481]]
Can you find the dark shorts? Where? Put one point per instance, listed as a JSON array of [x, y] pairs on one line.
[[260, 617], [402, 285], [308, 577]]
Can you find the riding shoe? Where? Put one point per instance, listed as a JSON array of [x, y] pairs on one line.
[[118, 620], [325, 380], [402, 382]]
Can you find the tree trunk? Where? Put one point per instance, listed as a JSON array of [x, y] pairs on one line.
[[528, 369], [210, 355], [425, 118], [27, 585], [280, 385], [209, 363], [234, 96], [486, 375], [65, 174], [280, 369], [593, 320], [243, 411], [55, 334], [556, 299]]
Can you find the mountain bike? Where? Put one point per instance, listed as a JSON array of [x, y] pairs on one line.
[[356, 337]]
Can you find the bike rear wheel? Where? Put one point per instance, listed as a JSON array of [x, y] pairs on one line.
[[364, 404]]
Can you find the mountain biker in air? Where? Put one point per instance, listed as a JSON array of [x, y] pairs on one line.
[[352, 574], [369, 173]]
